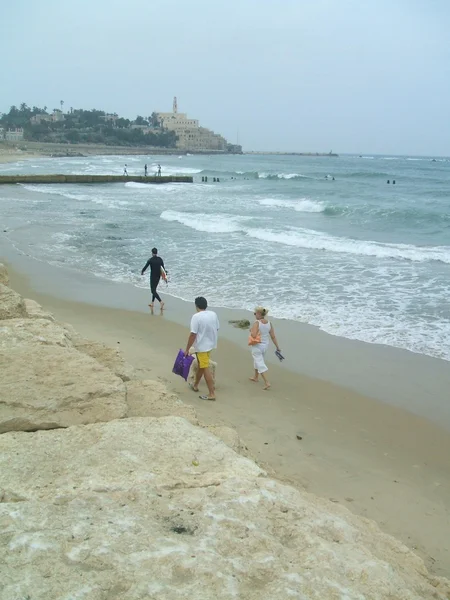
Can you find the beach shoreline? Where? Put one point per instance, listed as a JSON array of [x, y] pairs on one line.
[[24, 149], [379, 460], [410, 381]]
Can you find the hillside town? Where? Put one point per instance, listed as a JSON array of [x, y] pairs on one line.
[[75, 126]]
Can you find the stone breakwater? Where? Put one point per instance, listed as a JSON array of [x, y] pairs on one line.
[[45, 179], [111, 489]]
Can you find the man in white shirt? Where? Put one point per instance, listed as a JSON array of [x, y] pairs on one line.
[[203, 336]]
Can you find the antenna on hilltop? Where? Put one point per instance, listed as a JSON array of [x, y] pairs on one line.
[[175, 105]]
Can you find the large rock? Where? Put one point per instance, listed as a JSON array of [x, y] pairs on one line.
[[109, 357], [11, 304], [148, 398], [48, 386], [158, 509], [35, 310], [4, 277], [33, 332]]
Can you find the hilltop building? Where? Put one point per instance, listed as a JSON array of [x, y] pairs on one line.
[[11, 135], [54, 117], [191, 136]]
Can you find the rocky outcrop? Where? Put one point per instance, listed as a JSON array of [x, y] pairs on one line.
[[147, 398], [158, 508], [108, 357], [4, 277], [121, 500], [53, 386], [11, 304], [35, 310], [37, 332]]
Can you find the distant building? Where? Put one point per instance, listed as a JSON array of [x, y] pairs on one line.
[[191, 136], [146, 129], [110, 117], [12, 135], [54, 117]]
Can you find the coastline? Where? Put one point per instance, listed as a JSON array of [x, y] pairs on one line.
[[400, 378], [24, 149], [379, 460]]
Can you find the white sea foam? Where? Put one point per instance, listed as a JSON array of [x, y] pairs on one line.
[[315, 240], [205, 222], [300, 205], [46, 189], [281, 175], [308, 238]]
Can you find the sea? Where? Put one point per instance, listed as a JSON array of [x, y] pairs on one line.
[[321, 240]]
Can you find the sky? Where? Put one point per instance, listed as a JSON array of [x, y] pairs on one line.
[[352, 76]]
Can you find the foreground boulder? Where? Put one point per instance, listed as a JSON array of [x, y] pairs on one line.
[[147, 398], [11, 304], [159, 509], [49, 386], [4, 277], [108, 357]]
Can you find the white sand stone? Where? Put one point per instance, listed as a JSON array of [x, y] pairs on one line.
[[109, 357], [48, 386], [158, 509], [35, 310], [11, 304], [33, 332], [4, 277], [148, 398]]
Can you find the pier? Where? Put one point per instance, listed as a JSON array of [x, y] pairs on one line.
[[10, 179]]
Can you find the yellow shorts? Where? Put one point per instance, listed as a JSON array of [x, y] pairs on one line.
[[203, 359]]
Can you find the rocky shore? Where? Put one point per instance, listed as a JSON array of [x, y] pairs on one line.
[[110, 488]]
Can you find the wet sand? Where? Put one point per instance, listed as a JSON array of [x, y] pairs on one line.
[[363, 450]]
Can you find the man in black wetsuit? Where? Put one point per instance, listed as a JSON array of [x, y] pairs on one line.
[[155, 263]]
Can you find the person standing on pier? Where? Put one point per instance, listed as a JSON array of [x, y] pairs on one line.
[[157, 270], [145, 170], [159, 170], [125, 171]]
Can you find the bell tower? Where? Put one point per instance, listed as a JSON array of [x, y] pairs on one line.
[[175, 105]]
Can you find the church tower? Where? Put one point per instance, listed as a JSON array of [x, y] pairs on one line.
[[175, 105]]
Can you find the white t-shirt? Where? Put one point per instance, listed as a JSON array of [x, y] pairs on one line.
[[206, 325]]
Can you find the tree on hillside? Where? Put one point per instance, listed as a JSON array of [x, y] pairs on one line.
[[140, 121], [123, 123], [154, 120]]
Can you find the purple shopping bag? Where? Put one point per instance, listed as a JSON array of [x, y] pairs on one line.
[[182, 365]]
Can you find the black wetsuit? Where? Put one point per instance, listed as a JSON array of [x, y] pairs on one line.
[[155, 263]]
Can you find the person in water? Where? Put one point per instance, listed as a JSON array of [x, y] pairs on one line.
[[155, 263], [263, 329]]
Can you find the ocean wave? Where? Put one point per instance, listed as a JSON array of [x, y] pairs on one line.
[[309, 239], [315, 240], [46, 189], [283, 176], [205, 222], [301, 205], [410, 216]]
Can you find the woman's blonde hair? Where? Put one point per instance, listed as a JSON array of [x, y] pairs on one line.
[[263, 311]]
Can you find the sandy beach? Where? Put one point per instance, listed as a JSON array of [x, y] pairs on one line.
[[380, 460], [11, 154]]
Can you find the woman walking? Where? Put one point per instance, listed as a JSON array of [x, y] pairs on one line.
[[261, 333]]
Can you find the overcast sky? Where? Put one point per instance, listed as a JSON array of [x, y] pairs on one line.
[[359, 76]]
